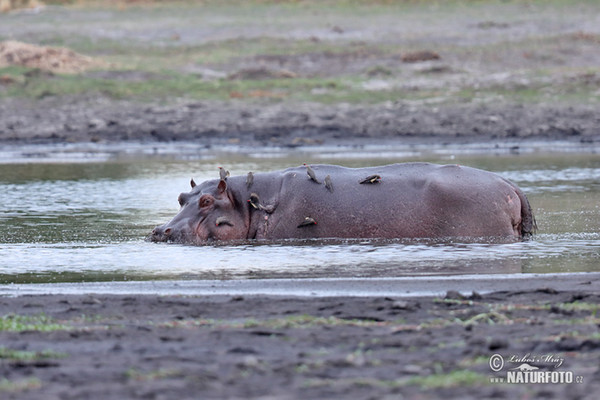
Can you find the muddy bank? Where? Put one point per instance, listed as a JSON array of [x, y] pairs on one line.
[[480, 281], [99, 120], [312, 73], [99, 346]]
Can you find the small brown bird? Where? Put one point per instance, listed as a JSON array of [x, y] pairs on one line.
[[223, 173], [328, 183], [254, 201], [371, 179], [308, 221], [249, 180], [311, 173], [223, 221]]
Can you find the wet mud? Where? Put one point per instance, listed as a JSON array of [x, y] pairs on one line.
[[93, 120], [121, 346]]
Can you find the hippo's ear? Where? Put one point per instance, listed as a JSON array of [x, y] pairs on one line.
[[192, 183], [222, 187]]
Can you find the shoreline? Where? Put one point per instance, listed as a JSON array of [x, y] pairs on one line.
[[414, 286], [98, 129], [353, 149]]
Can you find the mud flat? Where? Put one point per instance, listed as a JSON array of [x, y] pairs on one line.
[[95, 346], [339, 74], [97, 130]]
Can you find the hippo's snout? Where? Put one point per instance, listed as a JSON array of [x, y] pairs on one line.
[[161, 234]]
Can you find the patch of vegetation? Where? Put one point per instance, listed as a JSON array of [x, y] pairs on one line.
[[450, 379], [14, 71], [149, 376], [499, 314], [490, 318], [180, 62], [571, 335], [187, 323], [20, 323], [20, 355], [8, 386], [234, 49], [290, 322], [308, 321], [502, 313], [164, 86], [580, 306], [470, 362], [437, 380]]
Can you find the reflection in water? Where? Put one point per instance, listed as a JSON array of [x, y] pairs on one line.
[[88, 221]]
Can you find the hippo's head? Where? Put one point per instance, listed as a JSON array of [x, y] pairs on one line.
[[209, 212]]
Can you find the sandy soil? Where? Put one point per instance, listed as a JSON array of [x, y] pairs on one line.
[[99, 347]]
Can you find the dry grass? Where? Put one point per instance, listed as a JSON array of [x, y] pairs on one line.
[[11, 5], [52, 59]]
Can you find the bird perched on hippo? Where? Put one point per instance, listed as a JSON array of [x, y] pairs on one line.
[[410, 200]]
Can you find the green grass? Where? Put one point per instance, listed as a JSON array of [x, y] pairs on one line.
[[20, 323], [580, 306], [170, 59], [438, 380], [293, 321], [491, 314], [8, 386], [20, 355], [347, 89], [173, 56], [167, 85], [450, 379], [150, 376], [308, 321]]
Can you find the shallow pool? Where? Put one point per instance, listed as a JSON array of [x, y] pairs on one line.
[[87, 221]]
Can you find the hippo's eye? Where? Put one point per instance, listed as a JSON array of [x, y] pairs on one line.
[[182, 200], [205, 201]]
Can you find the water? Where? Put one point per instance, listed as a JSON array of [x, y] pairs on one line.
[[72, 222]]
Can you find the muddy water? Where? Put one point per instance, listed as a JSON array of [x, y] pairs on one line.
[[64, 222]]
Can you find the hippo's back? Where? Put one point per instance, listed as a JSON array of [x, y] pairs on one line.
[[409, 200]]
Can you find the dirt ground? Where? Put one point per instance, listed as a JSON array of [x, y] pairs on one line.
[[310, 73], [153, 347], [213, 124]]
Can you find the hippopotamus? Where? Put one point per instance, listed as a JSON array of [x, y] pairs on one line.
[[409, 200]]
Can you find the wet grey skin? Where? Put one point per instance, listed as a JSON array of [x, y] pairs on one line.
[[371, 179], [223, 174], [418, 200], [329, 183], [308, 221], [311, 174], [249, 180]]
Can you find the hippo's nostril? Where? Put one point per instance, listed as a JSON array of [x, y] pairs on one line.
[[160, 234]]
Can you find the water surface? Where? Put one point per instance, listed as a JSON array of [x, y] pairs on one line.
[[88, 221]]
